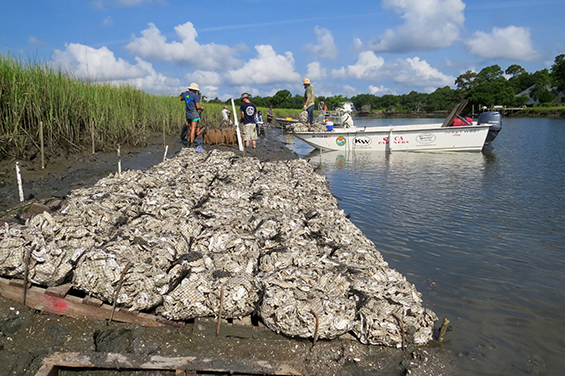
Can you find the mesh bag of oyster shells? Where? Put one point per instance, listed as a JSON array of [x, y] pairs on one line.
[[309, 303]]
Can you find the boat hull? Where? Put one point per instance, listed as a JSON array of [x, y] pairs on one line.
[[421, 137]]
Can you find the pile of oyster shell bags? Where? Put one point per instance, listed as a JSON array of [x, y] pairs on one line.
[[211, 228]]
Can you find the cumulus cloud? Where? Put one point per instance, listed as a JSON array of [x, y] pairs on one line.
[[35, 42], [509, 43], [411, 71], [102, 65], [380, 90], [209, 77], [108, 21], [99, 4], [266, 68], [315, 71], [368, 67], [428, 24], [153, 46], [326, 48]]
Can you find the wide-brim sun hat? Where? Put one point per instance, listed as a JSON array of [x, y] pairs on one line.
[[244, 95], [194, 86], [306, 81]]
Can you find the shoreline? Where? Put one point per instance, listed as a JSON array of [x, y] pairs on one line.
[[66, 172]]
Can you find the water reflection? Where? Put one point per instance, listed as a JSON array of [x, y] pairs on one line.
[[481, 235]]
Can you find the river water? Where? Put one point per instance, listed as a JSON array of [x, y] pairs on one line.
[[481, 235]]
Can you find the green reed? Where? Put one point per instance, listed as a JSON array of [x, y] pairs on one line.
[[75, 112]]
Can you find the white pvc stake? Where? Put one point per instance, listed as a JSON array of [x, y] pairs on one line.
[[165, 156], [236, 122], [19, 178], [390, 140], [119, 162]]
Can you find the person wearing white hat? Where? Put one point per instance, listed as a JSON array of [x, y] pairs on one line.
[[309, 99], [192, 101]]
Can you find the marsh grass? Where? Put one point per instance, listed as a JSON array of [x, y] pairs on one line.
[[75, 113]]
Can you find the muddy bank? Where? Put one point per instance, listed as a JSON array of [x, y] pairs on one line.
[[26, 337], [65, 172]]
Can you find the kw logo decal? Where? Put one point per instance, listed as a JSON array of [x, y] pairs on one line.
[[362, 141]]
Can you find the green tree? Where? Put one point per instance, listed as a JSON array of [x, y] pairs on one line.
[[280, 98], [490, 73], [443, 99], [491, 93], [515, 70], [558, 72], [466, 80], [541, 90]]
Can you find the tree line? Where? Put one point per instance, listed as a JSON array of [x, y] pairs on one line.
[[489, 87]]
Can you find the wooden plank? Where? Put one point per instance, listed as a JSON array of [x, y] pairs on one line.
[[59, 291], [186, 364], [72, 306]]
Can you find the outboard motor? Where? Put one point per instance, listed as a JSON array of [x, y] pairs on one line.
[[346, 120], [493, 119]]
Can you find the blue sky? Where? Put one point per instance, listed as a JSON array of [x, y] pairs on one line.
[[262, 46]]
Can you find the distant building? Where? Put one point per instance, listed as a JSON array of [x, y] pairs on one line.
[[559, 95]]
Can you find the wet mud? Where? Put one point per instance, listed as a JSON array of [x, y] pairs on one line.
[[27, 336]]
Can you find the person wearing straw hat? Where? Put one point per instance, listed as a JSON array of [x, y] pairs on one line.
[[192, 101], [248, 112], [309, 99]]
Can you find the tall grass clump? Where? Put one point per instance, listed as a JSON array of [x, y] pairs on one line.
[[75, 113]]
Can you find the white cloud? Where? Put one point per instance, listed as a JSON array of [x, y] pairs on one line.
[[368, 67], [315, 71], [108, 21], [152, 45], [266, 68], [381, 90], [411, 71], [416, 72], [509, 43], [205, 77], [429, 24], [102, 65], [326, 48], [36, 42]]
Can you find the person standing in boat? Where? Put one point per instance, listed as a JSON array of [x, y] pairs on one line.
[[192, 101], [309, 99], [248, 112]]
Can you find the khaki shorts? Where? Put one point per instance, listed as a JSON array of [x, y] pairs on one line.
[[249, 132]]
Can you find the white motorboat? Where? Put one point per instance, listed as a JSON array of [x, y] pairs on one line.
[[416, 137]]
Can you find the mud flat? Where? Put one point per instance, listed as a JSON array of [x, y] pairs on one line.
[[211, 253]]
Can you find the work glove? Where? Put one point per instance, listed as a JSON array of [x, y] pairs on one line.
[[304, 108]]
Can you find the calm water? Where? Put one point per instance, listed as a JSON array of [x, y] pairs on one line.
[[482, 236]]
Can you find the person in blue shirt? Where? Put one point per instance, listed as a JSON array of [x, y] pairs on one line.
[[248, 112], [193, 107]]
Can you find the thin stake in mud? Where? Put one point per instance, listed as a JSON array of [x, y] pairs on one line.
[[129, 265], [119, 162], [27, 259], [220, 311], [165, 155], [42, 146], [19, 178], [317, 327], [443, 329], [401, 328]]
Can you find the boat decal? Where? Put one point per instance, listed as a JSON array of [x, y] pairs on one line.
[[362, 141], [396, 140], [340, 141], [426, 138]]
